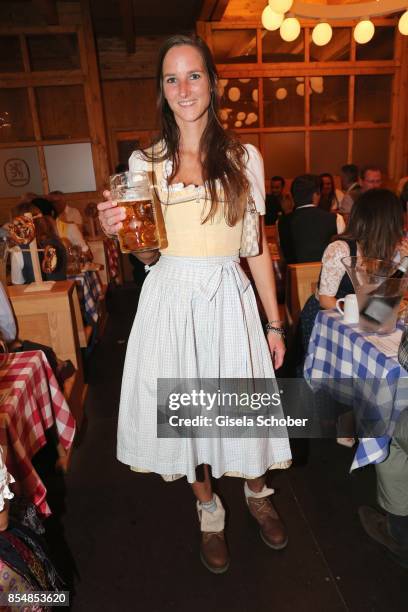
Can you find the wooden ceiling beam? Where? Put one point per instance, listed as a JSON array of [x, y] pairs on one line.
[[48, 10], [128, 24], [206, 10], [219, 10], [213, 10]]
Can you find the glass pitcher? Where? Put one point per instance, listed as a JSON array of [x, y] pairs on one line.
[[378, 295]]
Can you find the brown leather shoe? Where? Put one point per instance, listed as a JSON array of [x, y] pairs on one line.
[[273, 531], [214, 552]]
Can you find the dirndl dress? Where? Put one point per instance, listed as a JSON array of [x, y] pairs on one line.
[[197, 317]]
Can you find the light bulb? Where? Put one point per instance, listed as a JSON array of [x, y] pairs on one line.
[[322, 34], [271, 20], [403, 23], [364, 31], [290, 29], [281, 93], [280, 6]]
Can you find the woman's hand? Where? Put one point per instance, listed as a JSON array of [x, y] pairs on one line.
[[110, 215], [277, 348]]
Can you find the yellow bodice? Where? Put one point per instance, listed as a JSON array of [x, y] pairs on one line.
[[183, 210]]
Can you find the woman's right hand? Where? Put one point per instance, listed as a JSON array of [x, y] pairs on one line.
[[110, 215]]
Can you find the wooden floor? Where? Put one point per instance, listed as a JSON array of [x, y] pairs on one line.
[[129, 541]]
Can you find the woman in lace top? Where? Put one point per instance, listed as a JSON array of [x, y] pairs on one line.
[[375, 229]]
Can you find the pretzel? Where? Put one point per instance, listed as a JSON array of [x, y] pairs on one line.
[[49, 262], [22, 230]]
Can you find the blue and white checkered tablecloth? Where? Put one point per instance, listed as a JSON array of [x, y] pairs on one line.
[[351, 369], [89, 292]]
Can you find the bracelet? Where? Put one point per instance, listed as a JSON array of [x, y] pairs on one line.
[[280, 331]]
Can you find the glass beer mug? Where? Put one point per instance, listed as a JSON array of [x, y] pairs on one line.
[[143, 227]]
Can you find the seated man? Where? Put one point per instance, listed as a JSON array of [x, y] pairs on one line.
[[350, 186], [391, 529], [370, 178], [305, 233], [284, 199]]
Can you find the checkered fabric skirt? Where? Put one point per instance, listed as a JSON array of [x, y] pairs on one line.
[[197, 318]]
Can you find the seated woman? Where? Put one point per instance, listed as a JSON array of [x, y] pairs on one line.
[[46, 235], [375, 229]]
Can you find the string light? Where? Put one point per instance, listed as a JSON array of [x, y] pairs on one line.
[[271, 20], [322, 34], [273, 17], [403, 23], [280, 6], [290, 29], [364, 31]]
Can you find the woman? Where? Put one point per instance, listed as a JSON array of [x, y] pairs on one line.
[[46, 235], [197, 316], [375, 229], [330, 197]]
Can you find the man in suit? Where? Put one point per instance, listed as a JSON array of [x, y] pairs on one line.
[[305, 233], [350, 186]]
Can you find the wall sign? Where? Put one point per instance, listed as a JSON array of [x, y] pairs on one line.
[[17, 172]]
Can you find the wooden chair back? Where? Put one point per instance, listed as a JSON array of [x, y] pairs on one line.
[[301, 282]]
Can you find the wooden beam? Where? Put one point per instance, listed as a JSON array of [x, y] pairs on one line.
[[128, 24], [48, 10], [219, 10], [206, 10]]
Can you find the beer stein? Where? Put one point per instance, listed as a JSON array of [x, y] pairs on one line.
[[143, 227]]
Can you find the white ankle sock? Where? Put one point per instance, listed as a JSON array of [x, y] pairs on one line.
[[264, 493], [211, 521]]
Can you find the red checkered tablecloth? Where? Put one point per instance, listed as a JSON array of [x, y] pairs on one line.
[[31, 402]]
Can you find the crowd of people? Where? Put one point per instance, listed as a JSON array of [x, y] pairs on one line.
[[314, 231], [57, 224]]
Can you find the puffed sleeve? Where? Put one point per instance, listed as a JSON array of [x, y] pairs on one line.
[[256, 177], [137, 162], [5, 480]]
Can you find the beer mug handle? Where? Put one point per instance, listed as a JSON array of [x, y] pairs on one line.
[[338, 306]]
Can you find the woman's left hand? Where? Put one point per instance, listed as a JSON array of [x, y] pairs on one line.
[[277, 348]]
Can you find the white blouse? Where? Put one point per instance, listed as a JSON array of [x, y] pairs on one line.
[[254, 171], [332, 268]]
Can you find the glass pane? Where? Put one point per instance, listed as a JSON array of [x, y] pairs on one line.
[[373, 97], [328, 151], [15, 116], [62, 112], [338, 49], [234, 46], [70, 167], [329, 99], [284, 154], [239, 103], [274, 49], [371, 147], [284, 101], [381, 46], [53, 52], [21, 172], [249, 139], [10, 54]]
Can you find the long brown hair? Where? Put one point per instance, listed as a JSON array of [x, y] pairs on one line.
[[224, 157], [376, 223]]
